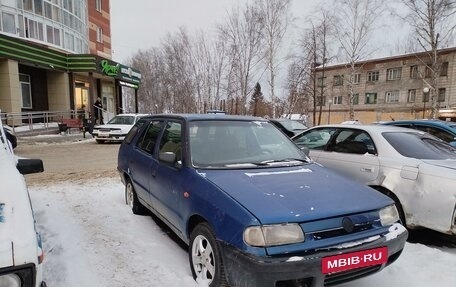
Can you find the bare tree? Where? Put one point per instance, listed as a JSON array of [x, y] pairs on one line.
[[276, 18], [433, 22], [243, 30], [356, 22]]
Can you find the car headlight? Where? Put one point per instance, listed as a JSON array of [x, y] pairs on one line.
[[10, 280], [389, 215], [271, 235]]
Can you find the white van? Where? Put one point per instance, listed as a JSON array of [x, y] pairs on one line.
[[21, 253]]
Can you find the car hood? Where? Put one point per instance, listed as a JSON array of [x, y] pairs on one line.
[[296, 194]]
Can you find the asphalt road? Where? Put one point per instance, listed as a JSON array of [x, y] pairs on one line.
[[68, 158]]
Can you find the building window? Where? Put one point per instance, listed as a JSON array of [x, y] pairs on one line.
[[26, 91], [427, 72], [8, 23], [99, 35], [356, 78], [370, 99], [441, 97], [355, 99], [444, 69], [337, 100], [393, 74], [392, 97], [98, 5], [414, 72], [411, 96], [338, 80], [321, 101], [321, 81], [373, 76]]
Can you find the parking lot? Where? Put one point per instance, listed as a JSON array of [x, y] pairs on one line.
[[69, 157], [91, 238]]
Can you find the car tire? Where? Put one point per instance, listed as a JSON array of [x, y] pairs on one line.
[[100, 141], [131, 199], [205, 256]]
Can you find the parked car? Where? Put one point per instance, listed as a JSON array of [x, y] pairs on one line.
[[414, 168], [289, 127], [21, 253], [116, 129], [441, 129], [253, 208]]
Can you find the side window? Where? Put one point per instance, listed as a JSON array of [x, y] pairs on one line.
[[149, 137], [315, 139], [353, 141], [134, 130], [441, 134], [172, 140]]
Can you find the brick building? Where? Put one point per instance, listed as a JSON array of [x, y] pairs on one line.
[[387, 88]]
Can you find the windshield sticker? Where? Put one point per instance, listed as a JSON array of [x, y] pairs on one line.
[[303, 170], [2, 206]]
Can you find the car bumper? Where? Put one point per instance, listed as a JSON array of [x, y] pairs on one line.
[[248, 270], [110, 137]]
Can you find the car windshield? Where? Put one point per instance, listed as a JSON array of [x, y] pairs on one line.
[[122, 120], [293, 125], [238, 144], [420, 146]]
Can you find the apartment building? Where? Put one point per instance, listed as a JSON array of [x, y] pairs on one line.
[[387, 88], [55, 55]]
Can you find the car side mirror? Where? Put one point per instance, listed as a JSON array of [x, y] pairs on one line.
[[29, 165], [167, 157]]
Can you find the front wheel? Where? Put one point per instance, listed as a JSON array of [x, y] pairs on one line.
[[131, 199], [205, 257]]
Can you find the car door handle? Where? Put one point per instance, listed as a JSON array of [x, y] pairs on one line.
[[368, 169], [153, 173]]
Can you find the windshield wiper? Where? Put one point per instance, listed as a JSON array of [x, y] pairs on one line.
[[266, 162]]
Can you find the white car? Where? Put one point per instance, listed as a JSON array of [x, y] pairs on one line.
[[414, 168], [116, 129], [21, 253]]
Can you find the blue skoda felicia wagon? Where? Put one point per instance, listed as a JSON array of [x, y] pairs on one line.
[[252, 207]]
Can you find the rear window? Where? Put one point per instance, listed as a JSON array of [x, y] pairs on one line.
[[420, 146]]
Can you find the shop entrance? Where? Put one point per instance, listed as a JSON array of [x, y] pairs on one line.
[[81, 98]]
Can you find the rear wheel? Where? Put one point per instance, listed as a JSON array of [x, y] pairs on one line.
[[205, 257], [131, 199], [100, 141]]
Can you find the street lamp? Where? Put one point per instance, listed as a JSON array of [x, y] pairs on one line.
[[425, 99], [329, 111]]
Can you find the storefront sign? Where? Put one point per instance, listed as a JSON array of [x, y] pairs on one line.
[[109, 70]]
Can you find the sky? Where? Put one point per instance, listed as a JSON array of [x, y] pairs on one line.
[[145, 23], [91, 238]]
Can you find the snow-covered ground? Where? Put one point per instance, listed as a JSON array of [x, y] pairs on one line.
[[92, 239]]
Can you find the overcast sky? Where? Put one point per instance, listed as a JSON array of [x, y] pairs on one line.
[[141, 24]]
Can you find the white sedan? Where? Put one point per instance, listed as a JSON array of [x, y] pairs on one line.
[[116, 129], [414, 168]]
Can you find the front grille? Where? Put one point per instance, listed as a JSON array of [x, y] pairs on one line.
[[342, 277], [324, 234]]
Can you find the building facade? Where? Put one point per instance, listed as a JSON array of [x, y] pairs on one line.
[[55, 55], [387, 89]]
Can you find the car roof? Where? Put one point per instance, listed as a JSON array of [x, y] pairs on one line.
[[436, 122], [133, 115], [199, 117], [370, 128]]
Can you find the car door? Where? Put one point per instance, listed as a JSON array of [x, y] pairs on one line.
[[142, 160], [166, 184], [352, 152]]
